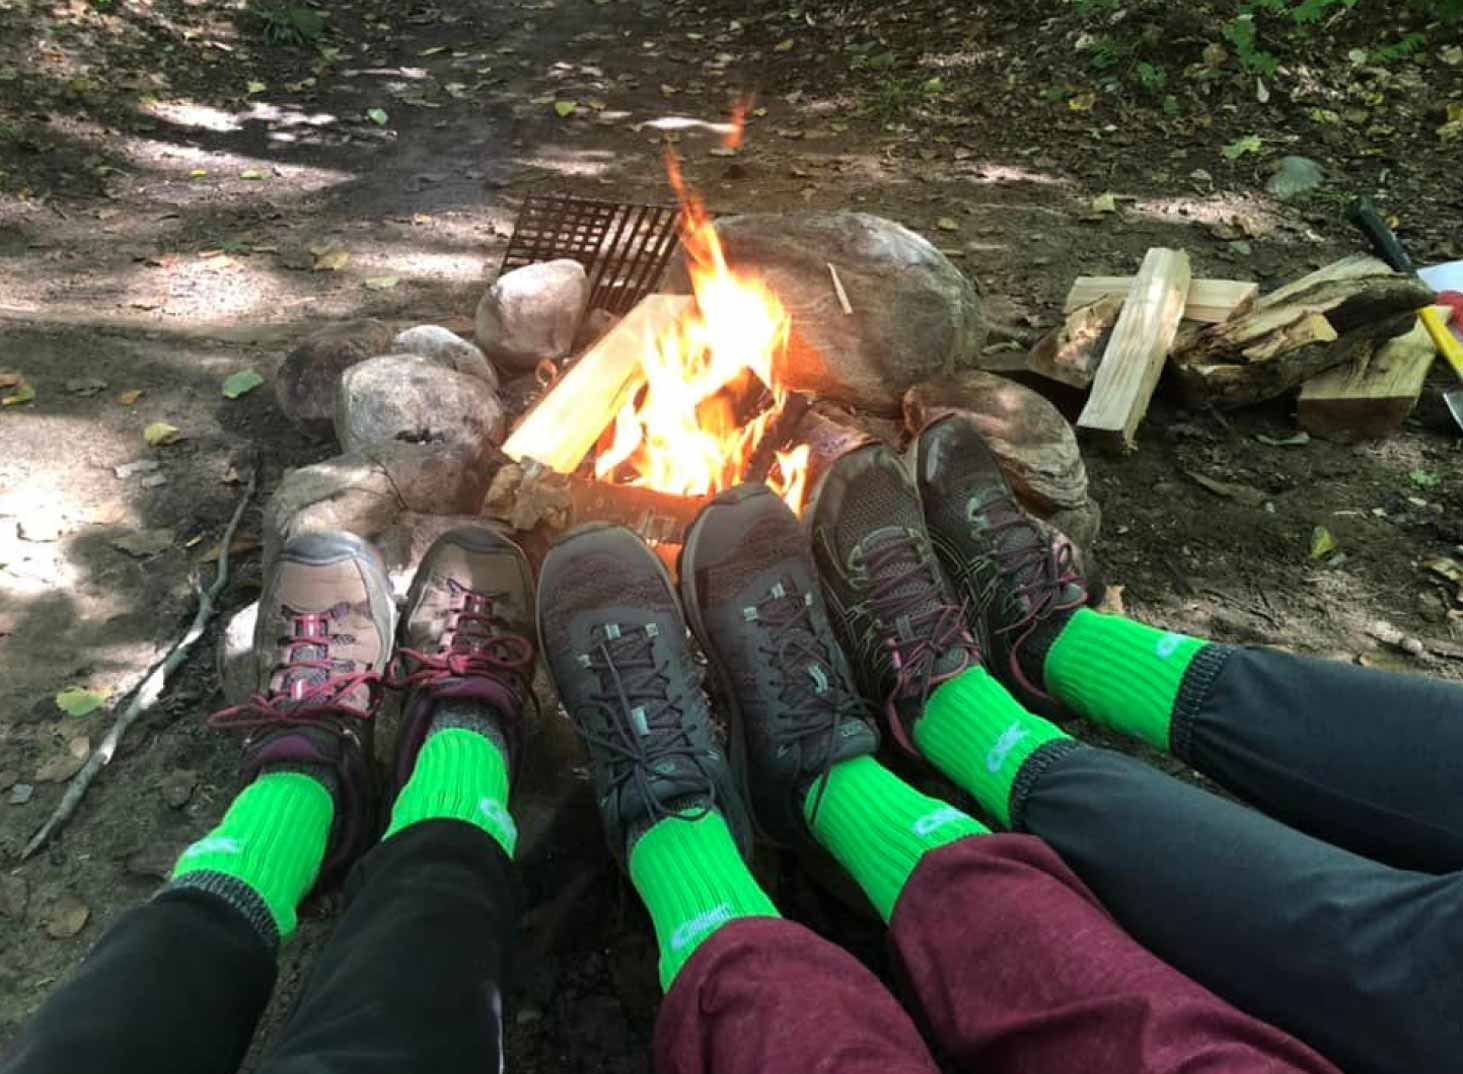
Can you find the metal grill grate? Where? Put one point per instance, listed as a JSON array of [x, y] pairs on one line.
[[624, 248]]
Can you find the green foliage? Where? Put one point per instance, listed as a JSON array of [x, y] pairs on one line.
[[1400, 50], [290, 24], [1152, 77]]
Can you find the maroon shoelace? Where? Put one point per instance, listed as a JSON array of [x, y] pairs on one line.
[[906, 587], [480, 647], [1040, 569], [316, 685]]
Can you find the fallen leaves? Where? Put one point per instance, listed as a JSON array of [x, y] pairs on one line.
[[160, 434], [80, 701], [329, 258], [86, 387], [1104, 204], [382, 283], [1251, 143], [22, 393], [143, 544], [1322, 543], [240, 546], [62, 766], [377, 116], [254, 174], [129, 397], [565, 109], [67, 917], [241, 383]]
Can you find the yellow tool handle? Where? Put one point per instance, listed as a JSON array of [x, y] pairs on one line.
[[1436, 322]]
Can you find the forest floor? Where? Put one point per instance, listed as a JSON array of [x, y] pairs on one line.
[[171, 173]]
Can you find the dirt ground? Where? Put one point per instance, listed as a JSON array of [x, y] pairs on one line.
[[170, 180]]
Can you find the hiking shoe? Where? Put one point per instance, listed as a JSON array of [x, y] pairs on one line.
[[891, 606], [751, 595], [1019, 579], [466, 635], [321, 644], [616, 644]]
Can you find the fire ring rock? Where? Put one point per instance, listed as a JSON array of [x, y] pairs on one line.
[[915, 315], [1034, 445], [532, 313], [307, 379], [407, 397], [446, 348]]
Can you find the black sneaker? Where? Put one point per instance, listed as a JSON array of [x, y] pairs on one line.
[[1019, 579], [611, 628], [891, 606], [751, 595]]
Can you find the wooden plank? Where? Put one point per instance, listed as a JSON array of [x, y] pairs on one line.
[[1070, 352], [560, 431], [1140, 343], [1208, 301], [1371, 396]]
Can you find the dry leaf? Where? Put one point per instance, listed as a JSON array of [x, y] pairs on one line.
[[947, 223], [1105, 203], [253, 173], [1112, 601], [382, 283], [160, 433], [22, 394], [330, 260], [9, 378], [1082, 102], [784, 45], [144, 543], [59, 768], [239, 547], [130, 397], [67, 917]]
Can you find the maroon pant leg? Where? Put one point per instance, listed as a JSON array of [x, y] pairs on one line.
[[766, 996], [1018, 970]]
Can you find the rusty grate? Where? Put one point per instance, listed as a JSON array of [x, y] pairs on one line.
[[623, 247]]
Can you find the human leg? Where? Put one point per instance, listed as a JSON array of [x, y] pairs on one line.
[[179, 983], [746, 991], [413, 976], [1355, 958]]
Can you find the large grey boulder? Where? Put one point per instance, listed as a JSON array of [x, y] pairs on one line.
[[532, 313], [446, 348], [407, 397], [915, 315], [307, 379], [1035, 446], [367, 491]]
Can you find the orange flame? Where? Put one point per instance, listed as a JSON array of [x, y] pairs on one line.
[[682, 436]]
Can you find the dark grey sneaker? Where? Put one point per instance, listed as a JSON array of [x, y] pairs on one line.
[[466, 636], [891, 605], [1020, 580], [751, 594], [612, 631], [321, 645]]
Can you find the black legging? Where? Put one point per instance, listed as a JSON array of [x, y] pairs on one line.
[[1350, 937]]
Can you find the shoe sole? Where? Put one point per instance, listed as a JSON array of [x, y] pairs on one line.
[[321, 548], [691, 607], [470, 539]]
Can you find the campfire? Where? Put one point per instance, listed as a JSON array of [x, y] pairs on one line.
[[679, 401]]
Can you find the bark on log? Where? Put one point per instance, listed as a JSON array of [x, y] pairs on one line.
[[1230, 384]]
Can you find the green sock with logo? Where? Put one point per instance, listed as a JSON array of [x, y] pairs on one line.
[[878, 827], [272, 841], [693, 881], [1122, 674], [459, 775], [980, 736]]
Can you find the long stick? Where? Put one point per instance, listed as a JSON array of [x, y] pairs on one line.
[[147, 692]]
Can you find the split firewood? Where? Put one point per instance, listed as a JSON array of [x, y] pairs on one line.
[[1230, 384], [1347, 299], [1371, 395], [1208, 301], [1070, 353], [560, 431], [1306, 329], [529, 495], [1135, 354]]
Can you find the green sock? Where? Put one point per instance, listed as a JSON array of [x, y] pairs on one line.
[[878, 827], [1120, 673], [980, 736], [272, 839], [693, 880], [459, 775]]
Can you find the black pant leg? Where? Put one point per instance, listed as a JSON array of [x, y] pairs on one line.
[[412, 978], [1360, 961], [175, 985], [1361, 758]]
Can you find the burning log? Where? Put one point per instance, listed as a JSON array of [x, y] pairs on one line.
[[528, 495], [780, 432], [560, 431]]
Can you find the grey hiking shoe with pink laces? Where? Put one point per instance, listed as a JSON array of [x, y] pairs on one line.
[[321, 645], [466, 636]]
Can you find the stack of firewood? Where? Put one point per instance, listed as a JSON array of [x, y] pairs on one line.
[[1347, 336]]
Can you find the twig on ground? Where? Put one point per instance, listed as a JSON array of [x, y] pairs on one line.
[[145, 694]]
